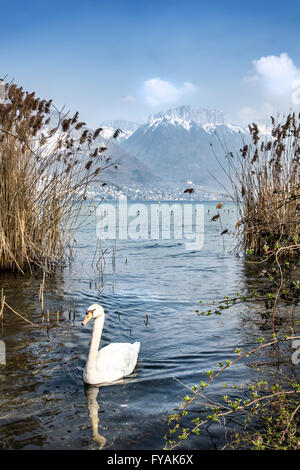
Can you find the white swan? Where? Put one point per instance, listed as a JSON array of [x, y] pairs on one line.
[[112, 362]]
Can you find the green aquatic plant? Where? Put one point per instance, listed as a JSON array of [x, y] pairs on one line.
[[267, 416]]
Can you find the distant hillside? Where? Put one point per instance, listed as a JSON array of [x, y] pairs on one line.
[[130, 171]]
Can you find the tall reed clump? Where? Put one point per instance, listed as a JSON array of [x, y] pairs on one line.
[[265, 177], [47, 161]]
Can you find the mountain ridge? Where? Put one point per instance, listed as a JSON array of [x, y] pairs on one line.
[[181, 144]]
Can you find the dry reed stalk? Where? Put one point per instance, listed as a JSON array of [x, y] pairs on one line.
[[19, 315], [41, 293], [47, 160], [2, 303], [265, 179]]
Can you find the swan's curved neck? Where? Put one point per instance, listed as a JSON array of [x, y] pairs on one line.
[[94, 347]]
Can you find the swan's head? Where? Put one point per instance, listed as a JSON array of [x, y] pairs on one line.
[[94, 311]]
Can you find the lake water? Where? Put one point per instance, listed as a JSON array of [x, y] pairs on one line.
[[150, 290]]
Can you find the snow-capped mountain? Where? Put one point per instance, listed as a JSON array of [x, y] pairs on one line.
[[186, 116], [127, 127], [181, 144], [265, 127]]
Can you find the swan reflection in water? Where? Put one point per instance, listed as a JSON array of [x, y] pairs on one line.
[[91, 393]]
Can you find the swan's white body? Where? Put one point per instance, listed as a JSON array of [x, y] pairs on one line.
[[111, 363]]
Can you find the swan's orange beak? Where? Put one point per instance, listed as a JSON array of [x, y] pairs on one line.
[[88, 317]]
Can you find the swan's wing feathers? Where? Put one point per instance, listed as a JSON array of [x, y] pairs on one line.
[[118, 359]]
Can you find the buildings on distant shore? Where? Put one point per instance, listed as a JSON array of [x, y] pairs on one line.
[[153, 194]]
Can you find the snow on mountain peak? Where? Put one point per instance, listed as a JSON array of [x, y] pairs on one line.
[[127, 127], [185, 116]]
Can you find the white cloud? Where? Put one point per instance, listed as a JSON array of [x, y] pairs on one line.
[[247, 115], [278, 74], [296, 92], [129, 99], [279, 81], [158, 91]]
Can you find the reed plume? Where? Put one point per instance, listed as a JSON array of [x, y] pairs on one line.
[[265, 178], [45, 171]]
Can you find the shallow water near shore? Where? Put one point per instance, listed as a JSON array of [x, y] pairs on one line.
[[150, 290]]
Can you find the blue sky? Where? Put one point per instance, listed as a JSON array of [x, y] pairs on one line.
[[128, 59]]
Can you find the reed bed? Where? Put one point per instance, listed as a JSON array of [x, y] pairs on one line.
[[265, 177], [47, 162]]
